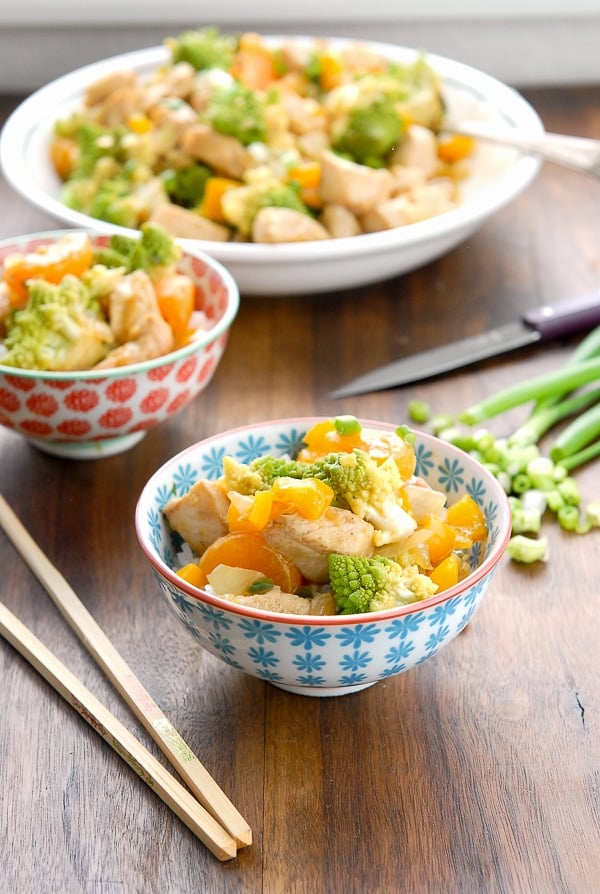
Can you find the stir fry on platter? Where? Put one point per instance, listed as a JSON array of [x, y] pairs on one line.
[[242, 138]]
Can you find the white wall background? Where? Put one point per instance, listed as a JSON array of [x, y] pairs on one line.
[[522, 42]]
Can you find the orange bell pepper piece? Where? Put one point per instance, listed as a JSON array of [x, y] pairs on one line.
[[71, 254], [467, 517], [210, 206], [176, 296], [255, 63], [441, 541], [445, 574]]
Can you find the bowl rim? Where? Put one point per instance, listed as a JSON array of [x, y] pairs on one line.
[[26, 119], [162, 569], [206, 339]]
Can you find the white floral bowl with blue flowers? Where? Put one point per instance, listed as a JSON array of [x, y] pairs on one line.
[[309, 654]]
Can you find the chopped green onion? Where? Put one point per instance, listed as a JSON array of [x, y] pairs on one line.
[[568, 517], [347, 425], [263, 585], [418, 411], [405, 432], [528, 549]]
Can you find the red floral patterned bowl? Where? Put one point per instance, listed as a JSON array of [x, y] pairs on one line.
[[91, 414]]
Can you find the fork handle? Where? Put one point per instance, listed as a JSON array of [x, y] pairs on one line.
[[577, 153]]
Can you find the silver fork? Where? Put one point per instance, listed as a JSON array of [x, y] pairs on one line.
[[577, 153]]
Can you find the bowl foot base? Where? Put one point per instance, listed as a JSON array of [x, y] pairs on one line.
[[325, 691], [88, 449]]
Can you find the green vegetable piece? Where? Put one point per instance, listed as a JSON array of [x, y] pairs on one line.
[[592, 514], [568, 517], [370, 133], [418, 411], [61, 328], [581, 432], [557, 382], [237, 112], [365, 584], [154, 249], [203, 48], [526, 521], [528, 550], [271, 467], [406, 433], [347, 425], [186, 186], [263, 585]]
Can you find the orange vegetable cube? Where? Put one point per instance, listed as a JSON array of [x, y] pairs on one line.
[[193, 574], [176, 296], [323, 438], [210, 206], [455, 148], [331, 71], [467, 516], [441, 541], [250, 513], [64, 155], [445, 574], [255, 63], [310, 497], [71, 254]]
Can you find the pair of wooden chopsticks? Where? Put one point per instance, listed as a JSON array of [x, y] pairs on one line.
[[212, 817]]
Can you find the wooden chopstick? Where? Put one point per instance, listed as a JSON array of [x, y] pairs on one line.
[[184, 805], [122, 677]]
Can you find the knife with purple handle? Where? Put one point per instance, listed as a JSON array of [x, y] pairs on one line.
[[540, 324]]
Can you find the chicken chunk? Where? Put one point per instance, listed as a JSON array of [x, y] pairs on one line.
[[308, 543], [139, 329], [275, 601], [177, 81], [104, 87], [199, 516], [424, 500], [223, 153], [340, 222], [187, 224], [286, 225], [358, 187], [411, 207], [418, 149], [118, 107]]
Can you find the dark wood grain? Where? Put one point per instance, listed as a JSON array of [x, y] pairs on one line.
[[477, 772]]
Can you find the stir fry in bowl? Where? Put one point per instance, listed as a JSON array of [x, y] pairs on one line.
[[246, 139], [69, 306], [346, 526]]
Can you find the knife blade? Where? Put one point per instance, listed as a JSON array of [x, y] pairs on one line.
[[540, 324]]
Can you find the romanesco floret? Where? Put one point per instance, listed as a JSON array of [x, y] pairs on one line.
[[370, 133], [203, 48], [260, 473], [240, 477], [374, 583], [271, 467], [185, 186], [238, 112], [154, 249], [62, 327], [370, 490]]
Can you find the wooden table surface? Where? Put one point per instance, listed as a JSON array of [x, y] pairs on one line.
[[478, 771]]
